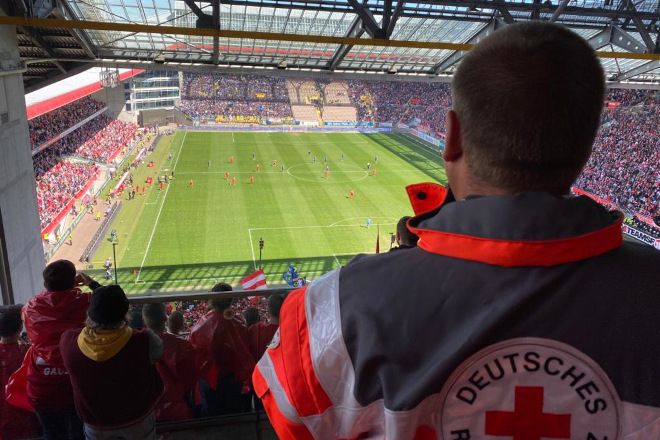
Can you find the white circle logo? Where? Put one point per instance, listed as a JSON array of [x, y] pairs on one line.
[[529, 389]]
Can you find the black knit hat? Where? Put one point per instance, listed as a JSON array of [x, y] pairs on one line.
[[10, 320], [108, 306]]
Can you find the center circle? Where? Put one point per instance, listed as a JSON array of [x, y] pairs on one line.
[[314, 173]]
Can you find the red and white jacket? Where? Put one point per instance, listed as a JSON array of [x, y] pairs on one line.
[[517, 317]]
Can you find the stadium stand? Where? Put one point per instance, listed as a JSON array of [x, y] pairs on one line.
[[59, 180], [47, 126], [335, 93], [238, 98], [625, 165], [57, 183], [337, 113], [303, 92], [307, 113]]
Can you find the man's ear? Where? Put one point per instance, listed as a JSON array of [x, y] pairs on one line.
[[453, 142]]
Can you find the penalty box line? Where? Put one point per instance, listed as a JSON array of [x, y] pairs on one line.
[[160, 210]]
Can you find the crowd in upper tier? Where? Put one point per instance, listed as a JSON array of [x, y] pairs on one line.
[[233, 87], [47, 126], [234, 96], [423, 104], [58, 179], [100, 139], [230, 110]]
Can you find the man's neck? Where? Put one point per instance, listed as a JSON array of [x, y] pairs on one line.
[[477, 189]]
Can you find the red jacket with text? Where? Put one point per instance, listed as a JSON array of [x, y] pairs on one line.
[[516, 317], [14, 423], [221, 343], [179, 373], [46, 316]]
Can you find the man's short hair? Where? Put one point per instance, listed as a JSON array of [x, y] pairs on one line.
[[154, 316], [529, 99], [10, 320], [59, 275], [251, 316], [406, 238], [223, 303], [175, 322], [275, 304]]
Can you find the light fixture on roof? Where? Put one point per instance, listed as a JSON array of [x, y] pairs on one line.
[[282, 65], [392, 70]]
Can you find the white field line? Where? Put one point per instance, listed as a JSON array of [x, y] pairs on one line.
[[254, 259], [155, 201], [160, 210], [321, 226]]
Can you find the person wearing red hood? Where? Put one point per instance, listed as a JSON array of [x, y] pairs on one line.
[[62, 306], [226, 362], [260, 333], [176, 367], [14, 423]]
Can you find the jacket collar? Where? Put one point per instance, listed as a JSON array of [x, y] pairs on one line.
[[527, 229]]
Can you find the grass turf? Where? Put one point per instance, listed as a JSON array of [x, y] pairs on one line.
[[191, 237]]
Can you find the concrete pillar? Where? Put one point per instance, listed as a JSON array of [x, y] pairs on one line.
[[22, 251]]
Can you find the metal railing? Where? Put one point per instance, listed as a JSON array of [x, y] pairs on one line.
[[205, 295]]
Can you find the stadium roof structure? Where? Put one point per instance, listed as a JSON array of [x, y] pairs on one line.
[[423, 37]]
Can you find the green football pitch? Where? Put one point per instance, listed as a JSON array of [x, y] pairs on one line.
[[200, 229]]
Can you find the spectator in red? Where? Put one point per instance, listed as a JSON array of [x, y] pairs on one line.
[[260, 333], [115, 383], [14, 423], [176, 367], [62, 306], [226, 362]]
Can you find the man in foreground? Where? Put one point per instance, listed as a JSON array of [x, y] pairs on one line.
[[112, 367], [521, 313]]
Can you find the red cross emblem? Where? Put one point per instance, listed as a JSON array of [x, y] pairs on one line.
[[528, 421]]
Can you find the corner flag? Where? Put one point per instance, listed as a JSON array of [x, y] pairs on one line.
[[378, 240], [254, 281]]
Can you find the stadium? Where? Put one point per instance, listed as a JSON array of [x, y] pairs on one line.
[[212, 157]]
